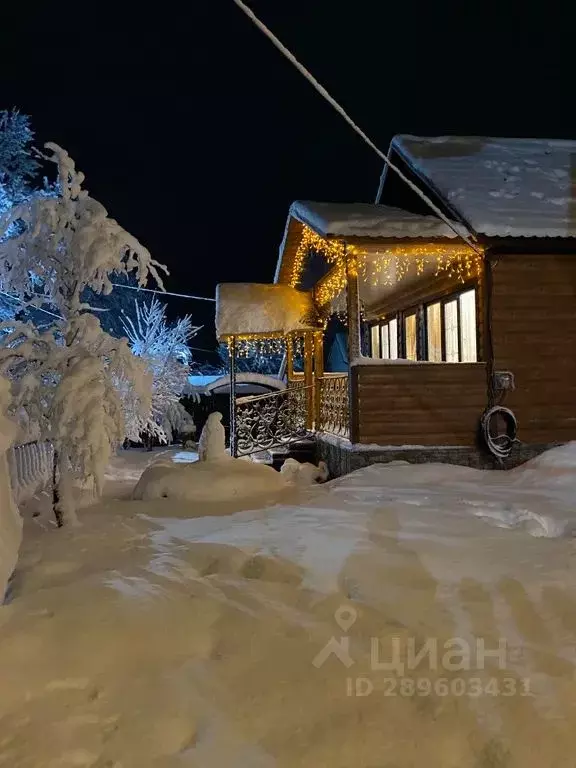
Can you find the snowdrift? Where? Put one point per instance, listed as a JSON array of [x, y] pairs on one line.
[[201, 640]]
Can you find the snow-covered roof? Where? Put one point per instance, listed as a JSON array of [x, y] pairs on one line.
[[367, 220], [501, 187], [247, 382], [263, 309]]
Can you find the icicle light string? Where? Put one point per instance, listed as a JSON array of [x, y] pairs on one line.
[[468, 238], [385, 266]]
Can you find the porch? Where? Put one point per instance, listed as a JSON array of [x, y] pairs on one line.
[[410, 304]]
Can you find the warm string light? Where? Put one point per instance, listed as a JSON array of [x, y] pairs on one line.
[[275, 344], [331, 285], [331, 250], [397, 262], [385, 267]]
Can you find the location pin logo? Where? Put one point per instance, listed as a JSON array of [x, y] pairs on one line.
[[345, 617]]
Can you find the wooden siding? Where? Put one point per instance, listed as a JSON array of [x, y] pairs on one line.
[[418, 403], [534, 336]]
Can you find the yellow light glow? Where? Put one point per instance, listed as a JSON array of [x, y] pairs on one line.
[[331, 250], [269, 344], [331, 285], [385, 266]]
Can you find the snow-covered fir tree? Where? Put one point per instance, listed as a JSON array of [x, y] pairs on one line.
[[18, 167], [71, 383], [164, 348]]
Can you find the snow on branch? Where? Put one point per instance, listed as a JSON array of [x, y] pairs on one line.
[[67, 242], [165, 350]]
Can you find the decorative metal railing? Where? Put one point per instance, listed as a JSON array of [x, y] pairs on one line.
[[333, 407], [270, 421]]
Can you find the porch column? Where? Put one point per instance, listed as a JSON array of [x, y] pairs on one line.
[[309, 377], [232, 369], [318, 373], [289, 358], [353, 308]]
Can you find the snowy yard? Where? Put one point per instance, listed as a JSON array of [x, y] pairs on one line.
[[164, 633]]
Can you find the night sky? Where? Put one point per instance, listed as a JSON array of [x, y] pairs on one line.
[[197, 135]]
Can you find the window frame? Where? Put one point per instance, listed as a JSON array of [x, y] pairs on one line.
[[381, 325], [421, 312], [446, 299]]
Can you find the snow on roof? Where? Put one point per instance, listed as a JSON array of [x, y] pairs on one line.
[[501, 187], [259, 308], [366, 220]]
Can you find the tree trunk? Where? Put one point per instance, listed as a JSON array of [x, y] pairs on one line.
[[56, 492]]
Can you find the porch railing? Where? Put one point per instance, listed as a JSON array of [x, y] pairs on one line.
[[333, 405], [270, 421]]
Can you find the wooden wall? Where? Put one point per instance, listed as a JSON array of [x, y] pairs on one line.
[[534, 335], [418, 403]]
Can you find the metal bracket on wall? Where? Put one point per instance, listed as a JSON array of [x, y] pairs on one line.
[[504, 381]]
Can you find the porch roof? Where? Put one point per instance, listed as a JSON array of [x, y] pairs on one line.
[[261, 309], [367, 220], [353, 222]]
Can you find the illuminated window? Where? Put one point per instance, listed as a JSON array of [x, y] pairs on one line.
[[451, 330], [375, 340], [385, 341], [393, 329], [434, 332], [468, 327], [410, 337]]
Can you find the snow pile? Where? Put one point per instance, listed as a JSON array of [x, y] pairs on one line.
[[304, 473], [212, 444], [10, 520], [245, 308], [215, 477], [210, 481]]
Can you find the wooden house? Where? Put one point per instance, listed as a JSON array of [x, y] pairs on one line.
[[445, 316]]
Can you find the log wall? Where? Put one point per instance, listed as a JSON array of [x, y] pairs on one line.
[[418, 403], [533, 321]]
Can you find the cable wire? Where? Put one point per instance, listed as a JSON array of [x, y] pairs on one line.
[[163, 293], [468, 238]]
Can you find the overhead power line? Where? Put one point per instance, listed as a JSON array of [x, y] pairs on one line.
[[467, 237], [163, 293], [31, 306]]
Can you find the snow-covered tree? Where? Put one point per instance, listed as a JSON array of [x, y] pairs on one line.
[[18, 166], [68, 243], [71, 383], [164, 348]]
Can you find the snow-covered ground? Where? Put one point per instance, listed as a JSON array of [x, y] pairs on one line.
[[173, 634]]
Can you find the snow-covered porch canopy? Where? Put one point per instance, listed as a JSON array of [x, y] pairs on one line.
[[260, 310], [388, 244]]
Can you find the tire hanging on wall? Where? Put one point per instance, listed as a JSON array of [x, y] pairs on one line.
[[499, 445]]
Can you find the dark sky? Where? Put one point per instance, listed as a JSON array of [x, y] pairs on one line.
[[197, 135]]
